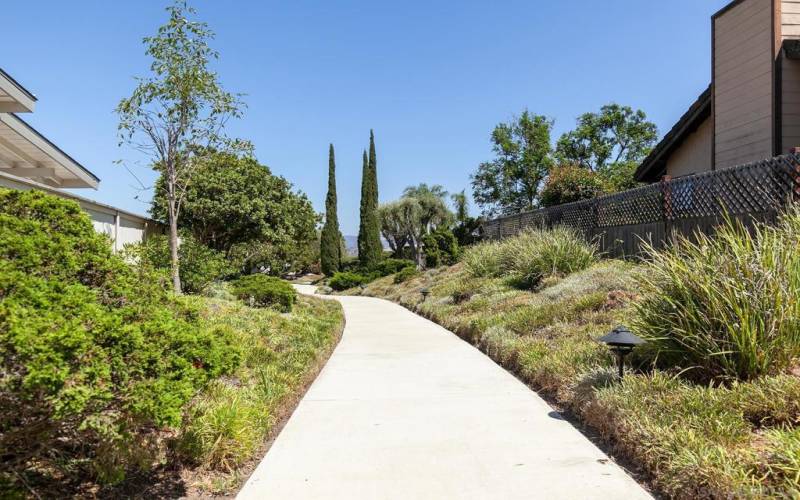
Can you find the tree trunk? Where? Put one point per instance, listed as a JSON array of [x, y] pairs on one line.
[[416, 251], [173, 249]]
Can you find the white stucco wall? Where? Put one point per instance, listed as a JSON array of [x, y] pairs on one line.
[[121, 226]]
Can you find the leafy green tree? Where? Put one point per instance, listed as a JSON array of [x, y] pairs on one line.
[[406, 222], [370, 248], [465, 226], [461, 206], [611, 142], [394, 228], [435, 212], [200, 266], [178, 111], [569, 183], [330, 241], [510, 183], [235, 205]]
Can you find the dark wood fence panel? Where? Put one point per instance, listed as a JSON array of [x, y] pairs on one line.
[[622, 222]]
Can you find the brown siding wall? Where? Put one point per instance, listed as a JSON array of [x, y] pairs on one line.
[[790, 78], [743, 98], [694, 153]]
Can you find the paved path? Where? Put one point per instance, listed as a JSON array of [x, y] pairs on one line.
[[404, 409]]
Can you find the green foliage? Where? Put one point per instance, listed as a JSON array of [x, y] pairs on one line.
[[405, 222], [200, 266], [347, 279], [536, 254], [569, 183], [228, 422], [611, 142], [465, 232], [531, 256], [96, 355], [727, 306], [461, 206], [483, 260], [510, 182], [441, 248], [406, 274], [265, 291], [234, 205], [390, 266], [370, 248], [330, 241], [176, 114]]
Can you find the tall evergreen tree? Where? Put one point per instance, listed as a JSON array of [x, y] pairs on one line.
[[370, 249], [362, 221], [330, 241]]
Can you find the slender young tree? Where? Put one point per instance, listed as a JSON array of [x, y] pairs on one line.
[[330, 241], [178, 112], [371, 249]]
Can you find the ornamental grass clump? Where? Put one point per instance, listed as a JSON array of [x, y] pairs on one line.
[[725, 306], [538, 253], [531, 256], [483, 260]]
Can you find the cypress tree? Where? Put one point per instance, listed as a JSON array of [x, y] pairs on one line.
[[330, 248], [370, 247], [365, 202]]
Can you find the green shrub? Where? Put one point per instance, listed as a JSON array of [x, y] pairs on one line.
[[727, 306], [390, 266], [405, 274], [199, 266], [345, 280], [96, 355], [265, 291], [441, 248], [570, 183]]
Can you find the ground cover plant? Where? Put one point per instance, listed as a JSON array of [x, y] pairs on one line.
[[227, 424], [734, 436]]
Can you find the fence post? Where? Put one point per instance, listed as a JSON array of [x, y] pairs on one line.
[[666, 208]]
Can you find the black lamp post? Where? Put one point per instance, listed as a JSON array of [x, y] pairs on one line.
[[621, 342], [425, 292]]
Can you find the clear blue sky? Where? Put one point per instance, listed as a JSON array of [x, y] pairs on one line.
[[432, 78]]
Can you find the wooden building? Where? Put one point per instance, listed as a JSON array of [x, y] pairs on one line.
[[751, 110]]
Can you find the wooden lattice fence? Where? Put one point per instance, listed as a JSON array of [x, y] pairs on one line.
[[655, 213]]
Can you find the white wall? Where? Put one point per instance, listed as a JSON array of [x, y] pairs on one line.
[[121, 226]]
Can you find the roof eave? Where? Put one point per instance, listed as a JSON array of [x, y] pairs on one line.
[[23, 100], [652, 166], [83, 177]]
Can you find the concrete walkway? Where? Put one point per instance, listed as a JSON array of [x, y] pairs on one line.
[[404, 409]]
